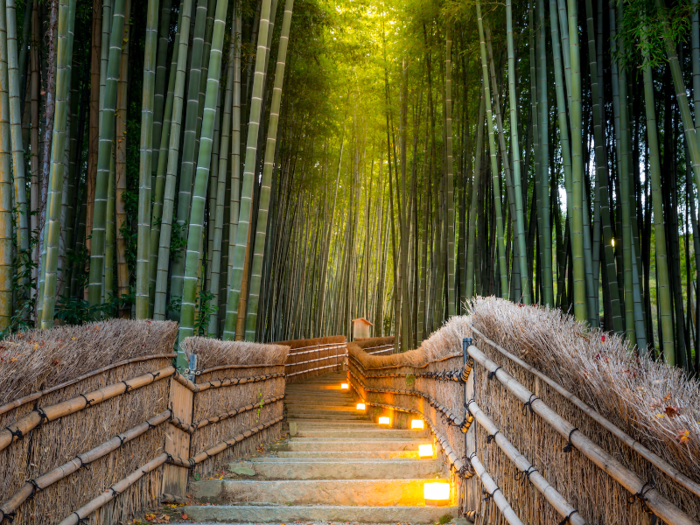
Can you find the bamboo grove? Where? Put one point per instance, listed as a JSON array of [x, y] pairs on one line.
[[268, 169]]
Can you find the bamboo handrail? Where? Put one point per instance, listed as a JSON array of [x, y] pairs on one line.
[[314, 369], [656, 502], [230, 367], [325, 345], [108, 495], [221, 446], [219, 383], [19, 428], [561, 505], [635, 445], [36, 395], [495, 492], [315, 360], [446, 358], [61, 472], [191, 428]]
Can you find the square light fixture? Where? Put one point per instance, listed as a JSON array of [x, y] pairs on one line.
[[417, 424], [436, 493], [425, 451], [385, 420], [361, 406], [344, 386]]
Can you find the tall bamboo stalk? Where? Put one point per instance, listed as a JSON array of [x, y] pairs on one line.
[[64, 56], [146, 158], [6, 240], [241, 250]]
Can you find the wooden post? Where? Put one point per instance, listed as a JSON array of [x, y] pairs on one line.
[[177, 442]]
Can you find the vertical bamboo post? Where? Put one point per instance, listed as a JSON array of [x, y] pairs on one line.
[[177, 442], [471, 500]]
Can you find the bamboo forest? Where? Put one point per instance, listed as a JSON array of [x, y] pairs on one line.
[[266, 170]]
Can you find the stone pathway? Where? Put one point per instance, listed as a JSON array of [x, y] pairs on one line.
[[338, 466]]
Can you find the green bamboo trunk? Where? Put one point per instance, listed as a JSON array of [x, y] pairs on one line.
[[18, 165], [163, 263], [6, 240], [450, 180], [473, 208], [64, 56], [663, 282], [196, 221], [189, 144], [145, 160], [270, 150], [104, 157], [515, 149], [500, 242], [235, 197], [240, 253]]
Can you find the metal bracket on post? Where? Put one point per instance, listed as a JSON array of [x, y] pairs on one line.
[[193, 367], [466, 343]]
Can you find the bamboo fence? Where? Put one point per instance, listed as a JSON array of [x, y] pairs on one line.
[[313, 357], [541, 455], [116, 440]]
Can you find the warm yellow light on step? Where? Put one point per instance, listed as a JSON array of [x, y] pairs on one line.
[[361, 406], [436, 493], [344, 386], [385, 420], [417, 424], [425, 451]]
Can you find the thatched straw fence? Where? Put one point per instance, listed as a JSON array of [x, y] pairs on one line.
[[377, 345], [556, 426], [98, 425], [313, 357]]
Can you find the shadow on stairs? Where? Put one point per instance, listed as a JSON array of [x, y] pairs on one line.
[[337, 466]]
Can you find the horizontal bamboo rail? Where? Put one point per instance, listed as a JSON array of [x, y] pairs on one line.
[[314, 348], [193, 427], [37, 395], [42, 482], [391, 367], [221, 383], [22, 426], [563, 507], [108, 495], [233, 367], [495, 492], [311, 370], [635, 445], [221, 446], [654, 500], [316, 360]]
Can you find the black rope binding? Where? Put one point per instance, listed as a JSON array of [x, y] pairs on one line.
[[127, 386], [567, 519], [642, 495], [570, 446], [490, 496], [88, 403], [150, 425], [525, 474], [114, 492], [529, 402], [491, 437], [15, 433], [42, 415], [82, 463], [155, 375], [466, 405], [121, 439], [491, 375], [11, 516], [35, 487]]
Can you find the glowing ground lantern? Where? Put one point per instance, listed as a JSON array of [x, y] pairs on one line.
[[436, 493], [425, 451], [385, 420], [417, 424], [344, 386], [361, 406]]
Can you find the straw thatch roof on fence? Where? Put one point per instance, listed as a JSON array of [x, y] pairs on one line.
[[369, 342], [40, 359], [441, 344], [214, 352], [654, 403], [303, 343]]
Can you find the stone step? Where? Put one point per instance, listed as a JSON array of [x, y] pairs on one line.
[[307, 469], [317, 513], [367, 454], [328, 416], [343, 445], [364, 492], [318, 424], [376, 433], [333, 407], [304, 399]]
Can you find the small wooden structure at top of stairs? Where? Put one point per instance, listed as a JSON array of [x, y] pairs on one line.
[[339, 466]]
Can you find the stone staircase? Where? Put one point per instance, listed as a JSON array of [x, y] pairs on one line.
[[337, 466]]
